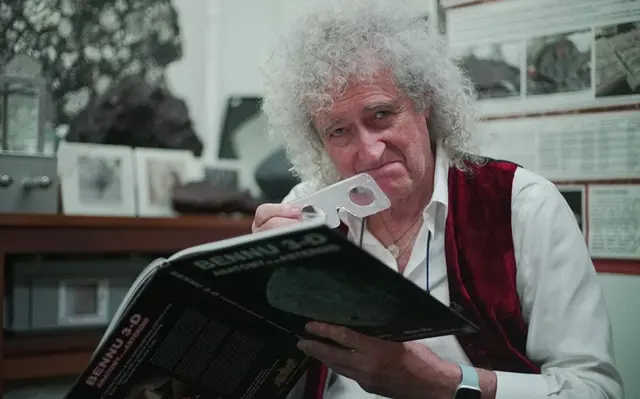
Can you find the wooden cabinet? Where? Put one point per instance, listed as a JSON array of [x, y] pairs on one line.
[[62, 355]]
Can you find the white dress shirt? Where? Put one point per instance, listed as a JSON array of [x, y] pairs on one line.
[[569, 333]]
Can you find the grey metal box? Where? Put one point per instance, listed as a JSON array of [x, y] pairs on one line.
[[41, 291], [28, 184]]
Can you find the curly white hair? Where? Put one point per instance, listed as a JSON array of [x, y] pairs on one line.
[[336, 42]]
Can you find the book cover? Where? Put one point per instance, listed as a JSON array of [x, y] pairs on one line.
[[223, 322]]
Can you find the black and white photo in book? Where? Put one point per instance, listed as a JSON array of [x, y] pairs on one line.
[[618, 59], [83, 302], [559, 63], [575, 197], [96, 179], [494, 68]]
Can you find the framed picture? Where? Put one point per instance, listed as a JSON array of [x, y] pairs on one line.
[[243, 139], [158, 172], [576, 199], [96, 179], [225, 174], [83, 302]]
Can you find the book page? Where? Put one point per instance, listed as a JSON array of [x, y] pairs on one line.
[[177, 337], [532, 56], [614, 221], [599, 146], [246, 238]]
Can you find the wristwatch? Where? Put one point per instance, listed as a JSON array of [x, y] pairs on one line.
[[469, 387]]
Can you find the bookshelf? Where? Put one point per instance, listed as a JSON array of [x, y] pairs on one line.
[[66, 354]]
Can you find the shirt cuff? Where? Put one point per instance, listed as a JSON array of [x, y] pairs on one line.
[[521, 386]]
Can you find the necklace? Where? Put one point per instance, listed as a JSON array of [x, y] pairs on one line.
[[396, 251], [394, 248]]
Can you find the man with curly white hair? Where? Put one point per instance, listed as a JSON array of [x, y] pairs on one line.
[[360, 86]]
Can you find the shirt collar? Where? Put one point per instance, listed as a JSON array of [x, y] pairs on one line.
[[435, 213], [441, 178]]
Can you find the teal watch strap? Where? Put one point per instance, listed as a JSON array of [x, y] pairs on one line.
[[470, 377]]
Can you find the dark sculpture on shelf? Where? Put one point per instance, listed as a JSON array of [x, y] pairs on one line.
[[86, 48], [136, 114], [274, 176]]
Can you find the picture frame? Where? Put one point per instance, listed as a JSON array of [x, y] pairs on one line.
[[575, 196], [96, 179], [158, 171], [83, 302]]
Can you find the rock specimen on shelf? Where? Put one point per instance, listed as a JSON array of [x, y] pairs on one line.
[[86, 48]]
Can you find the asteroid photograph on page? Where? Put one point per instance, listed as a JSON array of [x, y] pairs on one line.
[[331, 295]]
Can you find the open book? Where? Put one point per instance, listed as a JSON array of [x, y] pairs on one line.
[[222, 320]]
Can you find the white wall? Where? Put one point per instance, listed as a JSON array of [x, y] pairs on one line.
[[196, 77], [621, 294], [224, 43]]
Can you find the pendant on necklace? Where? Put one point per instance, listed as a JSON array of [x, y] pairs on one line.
[[395, 251]]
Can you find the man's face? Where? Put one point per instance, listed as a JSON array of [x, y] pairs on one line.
[[374, 129]]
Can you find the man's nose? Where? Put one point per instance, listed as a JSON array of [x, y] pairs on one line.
[[371, 147]]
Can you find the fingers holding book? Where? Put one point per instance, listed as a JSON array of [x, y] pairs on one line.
[[270, 216]]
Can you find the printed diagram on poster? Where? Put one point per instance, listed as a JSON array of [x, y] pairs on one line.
[[618, 59], [559, 63], [494, 68], [83, 302], [614, 221], [564, 148], [575, 195], [526, 56]]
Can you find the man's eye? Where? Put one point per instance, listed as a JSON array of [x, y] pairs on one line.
[[337, 132], [381, 114]]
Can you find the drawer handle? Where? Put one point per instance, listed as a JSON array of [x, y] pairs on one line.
[[5, 180], [30, 183]]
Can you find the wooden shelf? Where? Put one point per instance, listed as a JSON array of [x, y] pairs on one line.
[[48, 357], [70, 221], [51, 365], [29, 234], [66, 355], [629, 267], [16, 347]]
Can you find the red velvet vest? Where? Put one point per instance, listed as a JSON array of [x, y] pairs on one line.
[[481, 270]]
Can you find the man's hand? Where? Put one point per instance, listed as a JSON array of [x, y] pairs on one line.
[[396, 370], [270, 216]]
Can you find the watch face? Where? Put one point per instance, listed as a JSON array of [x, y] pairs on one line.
[[467, 393]]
